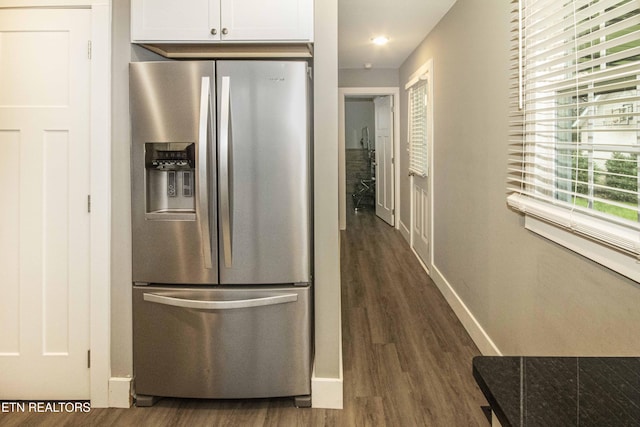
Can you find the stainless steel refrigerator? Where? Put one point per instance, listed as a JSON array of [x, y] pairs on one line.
[[221, 229]]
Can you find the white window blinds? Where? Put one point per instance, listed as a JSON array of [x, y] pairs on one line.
[[576, 104], [418, 135]]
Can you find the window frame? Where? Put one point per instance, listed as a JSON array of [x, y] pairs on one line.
[[597, 236], [419, 153]]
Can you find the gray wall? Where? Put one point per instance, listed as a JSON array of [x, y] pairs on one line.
[[375, 77], [358, 113], [531, 296]]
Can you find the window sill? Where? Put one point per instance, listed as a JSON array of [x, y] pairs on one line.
[[580, 233]]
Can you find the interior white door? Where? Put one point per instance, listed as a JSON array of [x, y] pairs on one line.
[[384, 158], [420, 198], [44, 220], [420, 227]]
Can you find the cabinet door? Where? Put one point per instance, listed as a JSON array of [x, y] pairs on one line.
[[267, 20], [170, 20]]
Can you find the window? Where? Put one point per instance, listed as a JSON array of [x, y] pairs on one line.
[[576, 145], [418, 142]]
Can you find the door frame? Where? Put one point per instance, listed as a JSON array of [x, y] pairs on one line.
[[100, 304], [100, 188], [343, 94]]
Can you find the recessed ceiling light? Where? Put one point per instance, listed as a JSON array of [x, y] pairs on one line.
[[381, 40]]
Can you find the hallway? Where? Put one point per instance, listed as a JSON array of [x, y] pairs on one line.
[[407, 358]]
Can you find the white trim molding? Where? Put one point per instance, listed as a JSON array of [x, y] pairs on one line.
[[420, 74], [404, 231], [327, 393], [100, 304], [120, 392], [586, 235], [478, 335], [343, 93], [617, 261], [475, 330]]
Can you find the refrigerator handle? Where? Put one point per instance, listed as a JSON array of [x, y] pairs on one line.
[[202, 199], [220, 305], [225, 202]]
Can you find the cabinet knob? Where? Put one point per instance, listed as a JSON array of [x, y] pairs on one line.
[[214, 31], [225, 31]]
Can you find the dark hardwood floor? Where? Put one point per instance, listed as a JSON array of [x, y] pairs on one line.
[[407, 358]]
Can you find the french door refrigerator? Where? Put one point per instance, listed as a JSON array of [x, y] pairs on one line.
[[221, 229]]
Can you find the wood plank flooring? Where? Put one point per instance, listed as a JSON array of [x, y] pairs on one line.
[[407, 359]]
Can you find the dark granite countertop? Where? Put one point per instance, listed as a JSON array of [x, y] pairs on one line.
[[561, 391]]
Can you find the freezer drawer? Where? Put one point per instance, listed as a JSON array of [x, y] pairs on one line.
[[222, 343]]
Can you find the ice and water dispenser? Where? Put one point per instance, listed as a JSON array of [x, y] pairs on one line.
[[170, 180]]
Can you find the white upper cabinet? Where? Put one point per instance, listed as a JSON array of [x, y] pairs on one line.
[[266, 19], [221, 20]]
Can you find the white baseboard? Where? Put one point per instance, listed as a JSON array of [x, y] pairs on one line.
[[327, 393], [120, 392], [482, 340], [404, 231], [424, 266]]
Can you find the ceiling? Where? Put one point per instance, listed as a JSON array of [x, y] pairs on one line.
[[404, 22]]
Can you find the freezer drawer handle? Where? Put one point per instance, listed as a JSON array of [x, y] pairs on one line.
[[220, 305]]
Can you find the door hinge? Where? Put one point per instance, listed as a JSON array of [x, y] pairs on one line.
[[310, 72], [88, 358], [89, 49], [393, 211], [89, 203], [393, 161]]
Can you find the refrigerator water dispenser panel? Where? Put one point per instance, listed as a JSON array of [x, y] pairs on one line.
[[170, 181]]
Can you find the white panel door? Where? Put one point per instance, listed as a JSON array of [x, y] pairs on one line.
[[44, 223], [420, 214], [420, 185], [384, 158]]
